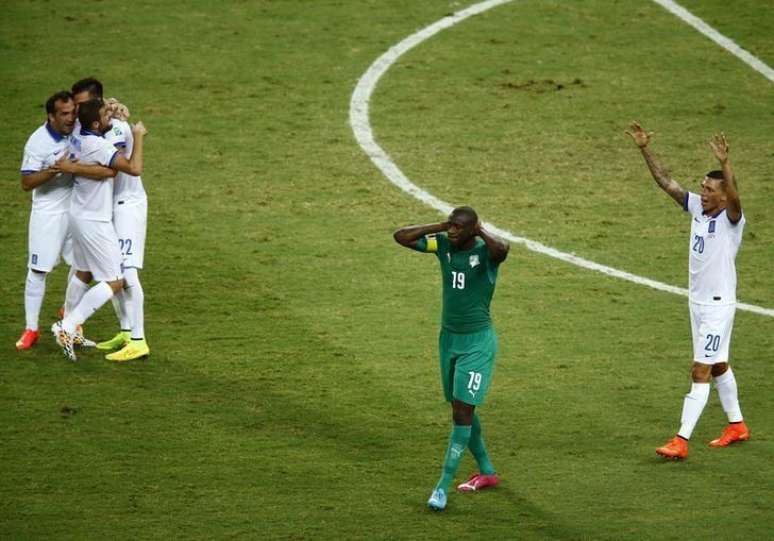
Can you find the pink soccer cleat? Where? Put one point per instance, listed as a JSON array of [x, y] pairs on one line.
[[27, 340], [478, 481]]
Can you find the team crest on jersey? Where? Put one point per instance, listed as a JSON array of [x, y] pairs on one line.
[[711, 227], [474, 261]]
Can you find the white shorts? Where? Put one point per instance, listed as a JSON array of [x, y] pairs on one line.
[[711, 328], [49, 239], [96, 249], [131, 222]]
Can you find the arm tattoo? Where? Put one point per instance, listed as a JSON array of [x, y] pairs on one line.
[[662, 177]]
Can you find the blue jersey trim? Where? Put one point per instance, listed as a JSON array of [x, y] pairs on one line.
[[113, 157], [734, 222], [685, 201], [718, 213], [84, 131], [55, 135], [28, 172]]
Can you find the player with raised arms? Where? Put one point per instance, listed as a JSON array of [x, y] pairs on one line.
[[469, 258], [717, 223], [96, 248]]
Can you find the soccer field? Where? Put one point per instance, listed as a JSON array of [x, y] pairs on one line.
[[292, 389]]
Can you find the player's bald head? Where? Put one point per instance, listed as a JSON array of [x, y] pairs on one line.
[[466, 214]]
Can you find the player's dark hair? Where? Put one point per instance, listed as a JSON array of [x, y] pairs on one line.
[[89, 84], [467, 212], [62, 95], [716, 174], [88, 112]]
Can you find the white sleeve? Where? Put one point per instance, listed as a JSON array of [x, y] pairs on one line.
[[102, 152], [129, 140], [33, 161], [692, 203]]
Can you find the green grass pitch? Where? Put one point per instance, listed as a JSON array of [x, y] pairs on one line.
[[291, 391]]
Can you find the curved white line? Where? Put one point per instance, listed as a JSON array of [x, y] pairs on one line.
[[361, 126], [729, 45]]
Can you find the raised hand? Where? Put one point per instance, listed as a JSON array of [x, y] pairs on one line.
[[116, 109], [640, 137], [139, 129], [719, 147]]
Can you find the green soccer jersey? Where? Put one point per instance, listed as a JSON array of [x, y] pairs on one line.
[[469, 278]]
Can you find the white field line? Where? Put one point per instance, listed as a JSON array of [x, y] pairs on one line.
[[361, 126], [754, 62]]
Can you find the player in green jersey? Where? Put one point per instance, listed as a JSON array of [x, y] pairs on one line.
[[469, 259]]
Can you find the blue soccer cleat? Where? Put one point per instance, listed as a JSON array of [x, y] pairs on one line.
[[437, 501]]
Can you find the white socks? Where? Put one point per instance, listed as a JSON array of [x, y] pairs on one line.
[[76, 289], [119, 305], [693, 405], [726, 386], [90, 303], [135, 299], [34, 289]]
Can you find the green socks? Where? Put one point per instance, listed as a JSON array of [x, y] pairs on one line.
[[460, 436], [478, 448]]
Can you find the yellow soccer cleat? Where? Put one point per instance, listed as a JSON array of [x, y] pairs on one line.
[[135, 349], [117, 342]]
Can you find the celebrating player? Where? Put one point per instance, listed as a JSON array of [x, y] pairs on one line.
[[716, 234], [49, 220], [96, 249], [130, 211], [467, 343]]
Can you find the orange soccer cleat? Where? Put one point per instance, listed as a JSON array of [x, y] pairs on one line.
[[27, 339], [676, 448], [733, 432]]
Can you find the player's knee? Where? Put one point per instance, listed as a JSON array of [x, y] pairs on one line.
[[701, 373], [462, 413], [83, 276], [719, 369], [36, 276], [116, 285]]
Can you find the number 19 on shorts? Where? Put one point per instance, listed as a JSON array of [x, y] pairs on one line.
[[474, 383], [458, 280]]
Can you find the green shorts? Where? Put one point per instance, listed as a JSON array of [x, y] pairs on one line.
[[467, 364]]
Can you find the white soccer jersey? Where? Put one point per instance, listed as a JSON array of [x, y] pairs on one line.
[[92, 199], [128, 189], [44, 147], [714, 242]]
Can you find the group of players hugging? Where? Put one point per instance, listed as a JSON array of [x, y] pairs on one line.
[[89, 207]]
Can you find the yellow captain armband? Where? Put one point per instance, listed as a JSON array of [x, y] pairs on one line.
[[432, 244]]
